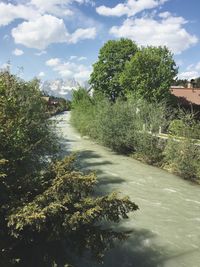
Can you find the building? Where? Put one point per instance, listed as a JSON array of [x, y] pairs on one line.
[[187, 96]]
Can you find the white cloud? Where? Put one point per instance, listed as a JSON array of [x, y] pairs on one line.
[[168, 30], [82, 34], [52, 6], [55, 7], [77, 58], [197, 67], [73, 57], [10, 12], [41, 32], [18, 52], [34, 8], [192, 72], [41, 74], [47, 29], [43, 52], [129, 8], [82, 58], [188, 75], [53, 62], [6, 37], [70, 70], [6, 65], [31, 9], [164, 15]]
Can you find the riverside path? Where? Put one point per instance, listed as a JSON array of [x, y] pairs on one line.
[[166, 229]]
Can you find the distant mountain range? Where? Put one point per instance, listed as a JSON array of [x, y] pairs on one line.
[[62, 88]]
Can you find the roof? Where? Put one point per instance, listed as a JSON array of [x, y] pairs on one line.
[[187, 95]]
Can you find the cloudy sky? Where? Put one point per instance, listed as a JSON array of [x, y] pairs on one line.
[[61, 38]]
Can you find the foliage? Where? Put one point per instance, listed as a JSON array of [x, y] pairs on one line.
[[197, 81], [48, 210], [183, 157], [120, 125], [65, 219], [25, 132], [149, 74], [111, 61], [114, 124], [184, 82], [55, 105], [138, 83], [80, 95], [182, 154], [132, 127], [26, 141], [83, 112], [176, 127], [180, 82], [185, 125]]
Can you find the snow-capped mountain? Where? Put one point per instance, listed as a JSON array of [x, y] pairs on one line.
[[62, 88]]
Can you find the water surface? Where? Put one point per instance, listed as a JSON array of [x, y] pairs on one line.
[[166, 229]]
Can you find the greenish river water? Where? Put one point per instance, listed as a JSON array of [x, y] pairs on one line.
[[166, 229]]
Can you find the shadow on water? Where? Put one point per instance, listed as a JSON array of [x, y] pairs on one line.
[[137, 251], [84, 163], [88, 160], [105, 179], [65, 142]]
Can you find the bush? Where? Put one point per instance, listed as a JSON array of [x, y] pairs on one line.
[[182, 154], [132, 127], [114, 124], [65, 219], [83, 114], [183, 157], [149, 148], [48, 212], [120, 125]]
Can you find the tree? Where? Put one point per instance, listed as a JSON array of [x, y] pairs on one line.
[[111, 61], [182, 152], [184, 82], [80, 95], [197, 80], [48, 211], [149, 74], [180, 82]]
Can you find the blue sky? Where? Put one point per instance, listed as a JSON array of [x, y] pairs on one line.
[[61, 38]]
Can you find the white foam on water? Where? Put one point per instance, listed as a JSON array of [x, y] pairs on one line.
[[194, 201], [170, 190], [194, 219]]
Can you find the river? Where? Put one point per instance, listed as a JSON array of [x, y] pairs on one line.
[[166, 228]]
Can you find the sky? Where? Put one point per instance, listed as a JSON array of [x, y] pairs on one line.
[[52, 39]]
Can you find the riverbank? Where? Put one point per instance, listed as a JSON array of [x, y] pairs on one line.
[[132, 128], [165, 229]]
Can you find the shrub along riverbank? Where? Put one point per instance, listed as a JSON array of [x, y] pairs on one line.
[[48, 213], [132, 127]]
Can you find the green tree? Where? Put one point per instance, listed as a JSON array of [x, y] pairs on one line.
[[80, 95], [180, 82], [111, 61], [149, 74], [182, 152], [48, 211], [197, 80]]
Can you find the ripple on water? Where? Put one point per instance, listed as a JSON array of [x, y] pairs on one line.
[[169, 190], [194, 201]]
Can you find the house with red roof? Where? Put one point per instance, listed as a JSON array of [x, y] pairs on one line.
[[187, 96]]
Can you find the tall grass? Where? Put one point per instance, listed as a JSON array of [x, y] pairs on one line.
[[132, 127]]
